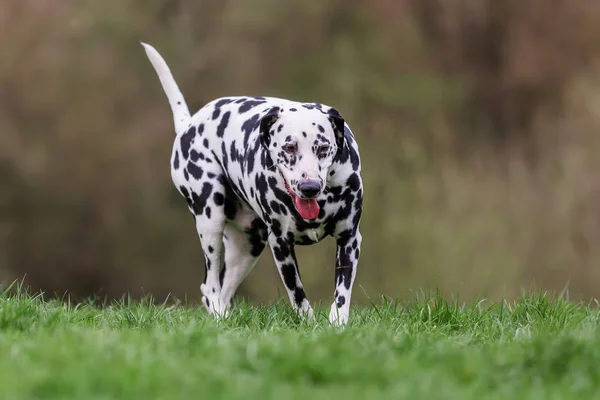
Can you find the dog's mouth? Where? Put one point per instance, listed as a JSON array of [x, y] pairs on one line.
[[307, 208]]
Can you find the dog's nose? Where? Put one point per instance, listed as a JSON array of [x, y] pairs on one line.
[[309, 189]]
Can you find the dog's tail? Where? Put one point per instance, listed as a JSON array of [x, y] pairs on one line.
[[181, 113]]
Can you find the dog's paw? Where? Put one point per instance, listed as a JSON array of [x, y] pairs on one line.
[[215, 307], [337, 316], [213, 303], [307, 314]]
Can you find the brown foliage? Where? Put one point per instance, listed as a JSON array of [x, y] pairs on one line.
[[87, 205], [517, 57]]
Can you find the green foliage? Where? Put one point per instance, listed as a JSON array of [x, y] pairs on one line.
[[538, 346]]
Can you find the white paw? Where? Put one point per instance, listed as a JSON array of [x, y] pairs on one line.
[[307, 314], [215, 307], [338, 317], [213, 303]]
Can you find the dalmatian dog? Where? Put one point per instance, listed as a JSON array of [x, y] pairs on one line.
[[258, 170]]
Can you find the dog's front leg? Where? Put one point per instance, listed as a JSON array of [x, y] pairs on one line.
[[348, 253], [287, 265]]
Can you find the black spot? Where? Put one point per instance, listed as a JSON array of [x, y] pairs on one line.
[[195, 156], [186, 175], [248, 126], [186, 141], [210, 175], [354, 160], [205, 142], [200, 129], [275, 207], [293, 109], [224, 159], [343, 260], [208, 212], [223, 124], [281, 253], [282, 209], [176, 161], [288, 271], [230, 208], [216, 113], [359, 201], [276, 228], [321, 129], [322, 210], [279, 128], [194, 170], [353, 182], [230, 205], [218, 198], [290, 239], [347, 278], [199, 201], [356, 218], [222, 102], [299, 296], [257, 235], [341, 300], [210, 249], [304, 134], [260, 183], [222, 274], [248, 105], [234, 154]]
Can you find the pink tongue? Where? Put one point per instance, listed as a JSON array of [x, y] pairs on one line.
[[308, 209]]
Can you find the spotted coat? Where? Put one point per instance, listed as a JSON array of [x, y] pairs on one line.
[[239, 162]]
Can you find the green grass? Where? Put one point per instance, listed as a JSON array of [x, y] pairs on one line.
[[536, 348]]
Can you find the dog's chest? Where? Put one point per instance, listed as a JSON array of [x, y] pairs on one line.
[[310, 236], [310, 232]]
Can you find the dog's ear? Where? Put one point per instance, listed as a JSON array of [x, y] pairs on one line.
[[337, 123], [266, 122]]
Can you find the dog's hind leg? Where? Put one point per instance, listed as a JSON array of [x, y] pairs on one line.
[[206, 200], [242, 250], [212, 245]]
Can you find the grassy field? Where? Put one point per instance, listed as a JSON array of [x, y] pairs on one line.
[[534, 348]]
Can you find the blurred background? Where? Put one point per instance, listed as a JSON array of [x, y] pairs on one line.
[[478, 123]]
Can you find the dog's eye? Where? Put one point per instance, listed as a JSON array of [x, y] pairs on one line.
[[290, 148]]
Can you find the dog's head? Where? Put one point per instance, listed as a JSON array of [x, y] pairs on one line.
[[302, 143]]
